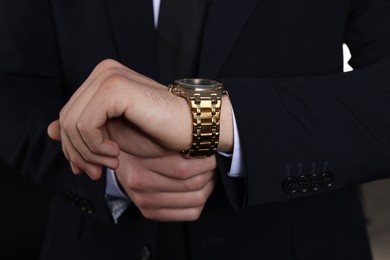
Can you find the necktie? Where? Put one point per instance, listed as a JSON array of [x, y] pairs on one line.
[[179, 33]]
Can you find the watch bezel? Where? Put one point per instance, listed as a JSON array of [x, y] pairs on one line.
[[199, 84]]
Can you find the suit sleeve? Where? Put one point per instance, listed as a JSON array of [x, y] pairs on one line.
[[32, 92], [308, 135]]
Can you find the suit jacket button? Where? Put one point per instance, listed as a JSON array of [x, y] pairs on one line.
[[303, 183], [75, 200], [72, 198], [290, 185], [145, 253], [315, 181], [327, 179], [69, 196], [87, 206], [90, 208]]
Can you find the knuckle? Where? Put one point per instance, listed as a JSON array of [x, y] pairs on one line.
[[110, 71], [196, 183], [144, 202], [66, 124], [194, 214], [182, 170], [202, 180], [111, 76], [134, 182], [81, 126], [199, 198], [150, 214], [113, 81], [107, 64]]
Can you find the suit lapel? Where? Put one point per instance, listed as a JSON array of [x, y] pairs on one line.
[[224, 23], [134, 34]]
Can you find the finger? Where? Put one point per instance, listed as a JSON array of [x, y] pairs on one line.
[[54, 130], [71, 112], [138, 103], [77, 150], [78, 163], [69, 115], [109, 102], [134, 174], [177, 167], [151, 182], [90, 142], [173, 215], [70, 129], [75, 169], [173, 200], [78, 166], [76, 104]]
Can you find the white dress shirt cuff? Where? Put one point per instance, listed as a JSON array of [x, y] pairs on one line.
[[112, 186], [116, 200], [236, 167]]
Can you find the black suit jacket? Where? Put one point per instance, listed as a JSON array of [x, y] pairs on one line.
[[310, 133]]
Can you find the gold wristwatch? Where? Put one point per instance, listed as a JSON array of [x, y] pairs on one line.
[[204, 97]]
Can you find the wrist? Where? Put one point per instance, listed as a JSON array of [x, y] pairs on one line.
[[226, 126], [186, 125], [204, 100]]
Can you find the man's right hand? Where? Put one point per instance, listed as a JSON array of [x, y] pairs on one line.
[[170, 188]]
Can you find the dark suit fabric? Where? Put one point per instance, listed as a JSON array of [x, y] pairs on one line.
[[25, 205], [299, 117]]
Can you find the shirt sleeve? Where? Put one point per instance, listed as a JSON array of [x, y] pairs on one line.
[[116, 200], [236, 168]]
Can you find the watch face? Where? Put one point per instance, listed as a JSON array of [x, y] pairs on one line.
[[199, 84]]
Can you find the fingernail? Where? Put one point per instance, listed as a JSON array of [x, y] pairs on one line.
[[73, 168]]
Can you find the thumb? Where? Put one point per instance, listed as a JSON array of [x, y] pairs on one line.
[[54, 130]]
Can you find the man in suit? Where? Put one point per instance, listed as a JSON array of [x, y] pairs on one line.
[[309, 133]]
